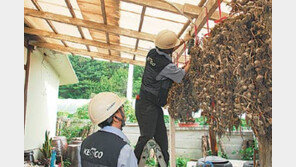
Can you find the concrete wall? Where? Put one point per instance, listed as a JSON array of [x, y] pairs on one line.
[[188, 140], [42, 101]]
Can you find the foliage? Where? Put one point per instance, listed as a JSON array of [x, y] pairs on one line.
[[137, 79], [46, 148], [182, 162], [62, 114], [129, 112], [223, 155], [166, 119], [247, 153], [79, 123], [151, 162], [99, 76], [67, 163], [201, 120], [81, 113]]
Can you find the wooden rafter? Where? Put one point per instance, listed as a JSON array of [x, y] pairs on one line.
[[68, 3], [188, 9], [62, 48], [120, 9], [200, 4], [140, 28], [155, 17], [184, 28], [89, 24], [103, 8], [210, 6], [43, 33], [35, 3]]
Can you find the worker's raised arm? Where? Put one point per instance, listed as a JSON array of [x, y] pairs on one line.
[[172, 72]]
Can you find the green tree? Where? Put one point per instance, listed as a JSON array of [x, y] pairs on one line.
[[99, 76], [137, 79]]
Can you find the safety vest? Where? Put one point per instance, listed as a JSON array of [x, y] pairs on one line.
[[152, 89], [101, 149]]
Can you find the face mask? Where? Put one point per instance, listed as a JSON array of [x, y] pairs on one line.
[[122, 120]]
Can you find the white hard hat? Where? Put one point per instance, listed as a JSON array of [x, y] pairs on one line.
[[166, 39], [104, 105]]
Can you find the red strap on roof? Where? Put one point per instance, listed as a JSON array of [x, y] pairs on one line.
[[196, 37], [185, 51], [208, 27], [220, 13]]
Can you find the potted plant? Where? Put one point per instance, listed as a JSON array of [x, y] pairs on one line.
[[46, 150]]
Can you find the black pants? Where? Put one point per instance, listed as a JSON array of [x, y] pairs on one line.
[[151, 122]]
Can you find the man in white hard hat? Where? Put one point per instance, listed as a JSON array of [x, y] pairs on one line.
[[159, 74], [108, 147]]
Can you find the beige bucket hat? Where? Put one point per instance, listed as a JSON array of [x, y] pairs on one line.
[[166, 39], [104, 105]]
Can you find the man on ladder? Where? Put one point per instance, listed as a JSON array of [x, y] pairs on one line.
[[159, 74]]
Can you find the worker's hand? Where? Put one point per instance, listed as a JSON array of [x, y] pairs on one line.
[[187, 36], [187, 66]]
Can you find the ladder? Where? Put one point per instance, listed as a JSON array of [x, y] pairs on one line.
[[151, 144]]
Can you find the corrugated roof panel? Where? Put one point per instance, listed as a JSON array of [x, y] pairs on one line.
[[130, 6], [126, 55], [163, 14], [127, 40], [153, 26], [67, 29], [75, 45], [55, 9], [129, 20], [146, 44]]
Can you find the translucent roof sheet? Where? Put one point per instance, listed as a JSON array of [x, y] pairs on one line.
[[123, 15], [153, 26], [129, 20], [128, 41], [166, 15], [49, 7], [131, 7]]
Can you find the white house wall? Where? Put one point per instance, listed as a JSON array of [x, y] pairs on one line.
[[42, 101]]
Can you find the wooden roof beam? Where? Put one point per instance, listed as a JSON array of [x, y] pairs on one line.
[[211, 6], [103, 9], [62, 48], [89, 24], [140, 27], [43, 33], [35, 3], [71, 10], [188, 9], [200, 4]]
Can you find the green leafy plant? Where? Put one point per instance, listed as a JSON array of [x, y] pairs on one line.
[[67, 163], [129, 112], [151, 162], [46, 149], [247, 153], [182, 162], [201, 121], [79, 121], [223, 155]]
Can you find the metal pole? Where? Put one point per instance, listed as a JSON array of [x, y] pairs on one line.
[[129, 92], [172, 143]]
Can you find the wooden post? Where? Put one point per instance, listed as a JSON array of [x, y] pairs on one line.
[[213, 142], [172, 143], [27, 68]]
